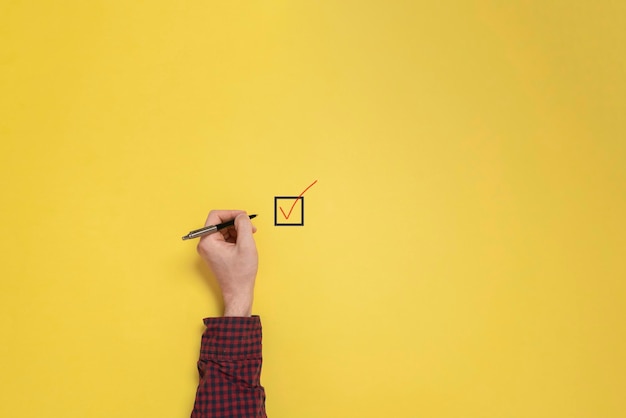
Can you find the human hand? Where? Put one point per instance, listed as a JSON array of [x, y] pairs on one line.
[[232, 256]]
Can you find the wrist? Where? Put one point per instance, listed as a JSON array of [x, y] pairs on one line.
[[239, 306]]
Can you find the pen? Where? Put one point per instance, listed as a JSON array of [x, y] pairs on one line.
[[210, 229]]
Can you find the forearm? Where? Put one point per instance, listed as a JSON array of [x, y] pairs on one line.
[[230, 369]]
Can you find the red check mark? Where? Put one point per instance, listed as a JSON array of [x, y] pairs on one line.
[[295, 201]]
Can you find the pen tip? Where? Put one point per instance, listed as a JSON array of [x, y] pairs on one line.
[[185, 237]]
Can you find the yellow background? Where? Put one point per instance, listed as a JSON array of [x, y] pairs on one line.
[[463, 253]]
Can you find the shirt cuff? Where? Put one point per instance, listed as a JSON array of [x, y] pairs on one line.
[[231, 337]]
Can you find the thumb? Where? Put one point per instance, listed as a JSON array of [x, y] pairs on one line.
[[244, 231]]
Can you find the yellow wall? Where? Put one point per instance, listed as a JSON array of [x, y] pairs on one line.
[[463, 249]]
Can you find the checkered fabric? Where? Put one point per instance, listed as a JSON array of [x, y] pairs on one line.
[[230, 369]]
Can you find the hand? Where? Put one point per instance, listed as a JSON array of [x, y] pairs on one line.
[[232, 257]]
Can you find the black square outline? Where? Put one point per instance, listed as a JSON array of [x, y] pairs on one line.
[[276, 223]]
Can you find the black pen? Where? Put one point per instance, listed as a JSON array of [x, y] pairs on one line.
[[210, 229]]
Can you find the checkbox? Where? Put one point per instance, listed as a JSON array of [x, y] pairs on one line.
[[289, 210]]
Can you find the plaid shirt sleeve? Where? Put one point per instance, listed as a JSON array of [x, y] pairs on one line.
[[230, 369]]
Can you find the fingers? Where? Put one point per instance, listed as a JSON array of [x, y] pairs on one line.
[[209, 243], [228, 234], [244, 231]]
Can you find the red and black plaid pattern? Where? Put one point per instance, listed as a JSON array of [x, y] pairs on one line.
[[230, 369]]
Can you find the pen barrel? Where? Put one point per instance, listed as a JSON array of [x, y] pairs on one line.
[[202, 231], [210, 229]]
